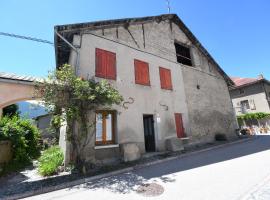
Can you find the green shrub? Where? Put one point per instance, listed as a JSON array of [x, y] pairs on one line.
[[24, 137], [50, 160], [220, 137]]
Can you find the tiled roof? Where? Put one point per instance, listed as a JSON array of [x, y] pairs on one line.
[[243, 81], [10, 76]]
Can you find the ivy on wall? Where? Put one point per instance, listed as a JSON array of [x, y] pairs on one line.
[[71, 98]]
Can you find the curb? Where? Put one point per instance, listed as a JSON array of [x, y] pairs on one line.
[[192, 153], [116, 172]]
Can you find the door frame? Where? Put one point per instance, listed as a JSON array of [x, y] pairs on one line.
[[154, 128]]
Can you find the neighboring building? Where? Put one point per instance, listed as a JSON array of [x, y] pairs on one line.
[[43, 124], [250, 95], [173, 89]]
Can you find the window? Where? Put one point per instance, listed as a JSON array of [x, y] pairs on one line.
[[241, 91], [105, 64], [105, 127], [252, 104], [141, 72], [165, 78], [183, 54], [244, 106], [180, 131]]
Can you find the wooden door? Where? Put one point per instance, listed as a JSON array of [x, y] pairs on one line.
[[149, 133], [179, 125]]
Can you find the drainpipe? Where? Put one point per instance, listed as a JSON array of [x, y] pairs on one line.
[[74, 48], [1, 112], [266, 94]]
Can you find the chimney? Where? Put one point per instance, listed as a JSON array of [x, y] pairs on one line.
[[260, 77]]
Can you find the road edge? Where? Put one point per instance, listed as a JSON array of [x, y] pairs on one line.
[[116, 172]]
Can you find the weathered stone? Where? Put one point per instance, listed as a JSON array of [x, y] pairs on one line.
[[174, 144], [130, 152], [5, 151]]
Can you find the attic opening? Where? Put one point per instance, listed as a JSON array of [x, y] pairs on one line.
[[183, 54]]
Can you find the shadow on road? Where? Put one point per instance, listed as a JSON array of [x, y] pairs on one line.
[[128, 182]]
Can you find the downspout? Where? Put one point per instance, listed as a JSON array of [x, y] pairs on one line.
[[74, 48], [266, 94], [76, 73]]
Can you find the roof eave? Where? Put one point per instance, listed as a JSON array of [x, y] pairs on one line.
[[118, 22]]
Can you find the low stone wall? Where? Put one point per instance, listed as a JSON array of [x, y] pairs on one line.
[[5, 151]]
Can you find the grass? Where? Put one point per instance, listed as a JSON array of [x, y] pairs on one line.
[[50, 160]]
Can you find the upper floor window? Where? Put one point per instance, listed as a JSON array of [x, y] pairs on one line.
[[241, 91], [244, 106], [165, 78], [105, 64], [183, 54], [141, 72]]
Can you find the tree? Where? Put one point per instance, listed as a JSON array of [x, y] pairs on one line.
[[11, 110], [74, 100]]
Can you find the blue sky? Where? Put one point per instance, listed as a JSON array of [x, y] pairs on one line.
[[236, 33]]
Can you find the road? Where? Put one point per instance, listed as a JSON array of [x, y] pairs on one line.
[[239, 171]]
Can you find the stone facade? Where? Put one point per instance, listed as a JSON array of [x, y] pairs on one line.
[[200, 92], [257, 94]]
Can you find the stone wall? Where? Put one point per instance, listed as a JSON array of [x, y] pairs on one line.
[[5, 152]]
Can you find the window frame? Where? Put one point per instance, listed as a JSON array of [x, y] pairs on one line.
[[104, 134], [241, 91], [137, 67], [106, 75], [182, 56], [163, 83], [246, 103]]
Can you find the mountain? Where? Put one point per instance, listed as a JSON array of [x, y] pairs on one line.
[[31, 109]]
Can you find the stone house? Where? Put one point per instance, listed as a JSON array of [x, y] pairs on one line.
[[173, 89], [250, 95]]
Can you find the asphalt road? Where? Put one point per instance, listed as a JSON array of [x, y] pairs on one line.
[[239, 171]]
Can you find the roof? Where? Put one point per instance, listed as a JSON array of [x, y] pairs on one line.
[[242, 82], [15, 77], [62, 50], [238, 81]]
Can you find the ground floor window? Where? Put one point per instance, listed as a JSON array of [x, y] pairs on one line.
[[105, 127]]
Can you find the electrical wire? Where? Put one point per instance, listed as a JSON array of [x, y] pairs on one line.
[[27, 38], [154, 45], [168, 53]]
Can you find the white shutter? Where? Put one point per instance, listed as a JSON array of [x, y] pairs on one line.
[[252, 104]]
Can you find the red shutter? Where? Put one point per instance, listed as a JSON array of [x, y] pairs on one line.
[[105, 64], [110, 65], [168, 79], [100, 65], [165, 78], [141, 72], [162, 78], [179, 125]]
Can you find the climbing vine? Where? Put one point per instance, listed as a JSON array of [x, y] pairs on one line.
[[73, 100], [258, 115]]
